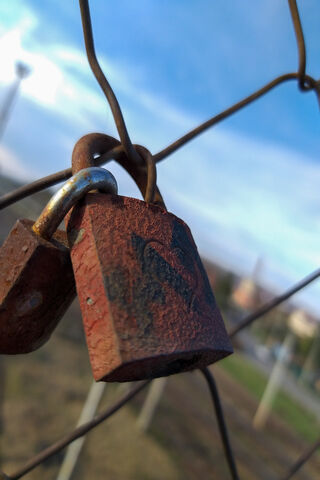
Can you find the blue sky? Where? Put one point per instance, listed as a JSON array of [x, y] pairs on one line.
[[249, 187]]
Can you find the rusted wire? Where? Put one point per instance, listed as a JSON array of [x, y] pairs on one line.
[[134, 154], [144, 173], [151, 173], [221, 423], [77, 433], [305, 81], [46, 182], [228, 112], [302, 460], [50, 180], [300, 43], [267, 307], [104, 84]]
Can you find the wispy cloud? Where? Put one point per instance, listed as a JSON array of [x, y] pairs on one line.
[[243, 197]]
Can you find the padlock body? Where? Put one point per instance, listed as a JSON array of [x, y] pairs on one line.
[[36, 287], [146, 301]]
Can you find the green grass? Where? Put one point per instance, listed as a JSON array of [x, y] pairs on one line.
[[293, 413]]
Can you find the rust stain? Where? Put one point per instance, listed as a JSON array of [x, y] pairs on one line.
[[36, 287], [151, 310]]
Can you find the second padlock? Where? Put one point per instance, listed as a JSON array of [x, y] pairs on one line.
[[36, 276]]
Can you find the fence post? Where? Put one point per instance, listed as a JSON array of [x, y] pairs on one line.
[[151, 402], [275, 378], [89, 409]]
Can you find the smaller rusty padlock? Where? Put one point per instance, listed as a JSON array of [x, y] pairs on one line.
[[146, 302], [36, 275]]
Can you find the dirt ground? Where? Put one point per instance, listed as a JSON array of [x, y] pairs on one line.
[[44, 393]]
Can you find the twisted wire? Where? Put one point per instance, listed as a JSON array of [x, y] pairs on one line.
[[305, 83], [104, 84]]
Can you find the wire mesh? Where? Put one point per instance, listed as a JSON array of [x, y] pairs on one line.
[[305, 83]]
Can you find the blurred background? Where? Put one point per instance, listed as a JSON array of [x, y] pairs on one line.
[[248, 188]]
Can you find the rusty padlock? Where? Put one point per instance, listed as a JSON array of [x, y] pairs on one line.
[[36, 275], [146, 302]]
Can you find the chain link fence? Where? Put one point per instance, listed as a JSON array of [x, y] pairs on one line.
[[305, 83]]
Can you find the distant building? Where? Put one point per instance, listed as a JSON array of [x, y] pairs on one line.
[[302, 324], [245, 295]]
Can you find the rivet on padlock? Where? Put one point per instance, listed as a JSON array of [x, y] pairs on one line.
[[36, 276], [146, 301]]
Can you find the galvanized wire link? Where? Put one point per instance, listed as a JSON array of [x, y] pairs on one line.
[[133, 154]]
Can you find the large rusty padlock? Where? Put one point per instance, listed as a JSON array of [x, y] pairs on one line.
[[146, 301], [36, 275]]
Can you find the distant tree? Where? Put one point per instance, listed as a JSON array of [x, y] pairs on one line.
[[223, 289]]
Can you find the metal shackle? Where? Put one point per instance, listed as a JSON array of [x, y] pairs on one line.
[[93, 178], [93, 144]]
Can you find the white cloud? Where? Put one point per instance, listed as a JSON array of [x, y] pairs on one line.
[[241, 196]]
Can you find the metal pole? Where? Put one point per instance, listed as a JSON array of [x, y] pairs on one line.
[[151, 402], [274, 382], [308, 363], [88, 412], [22, 71]]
